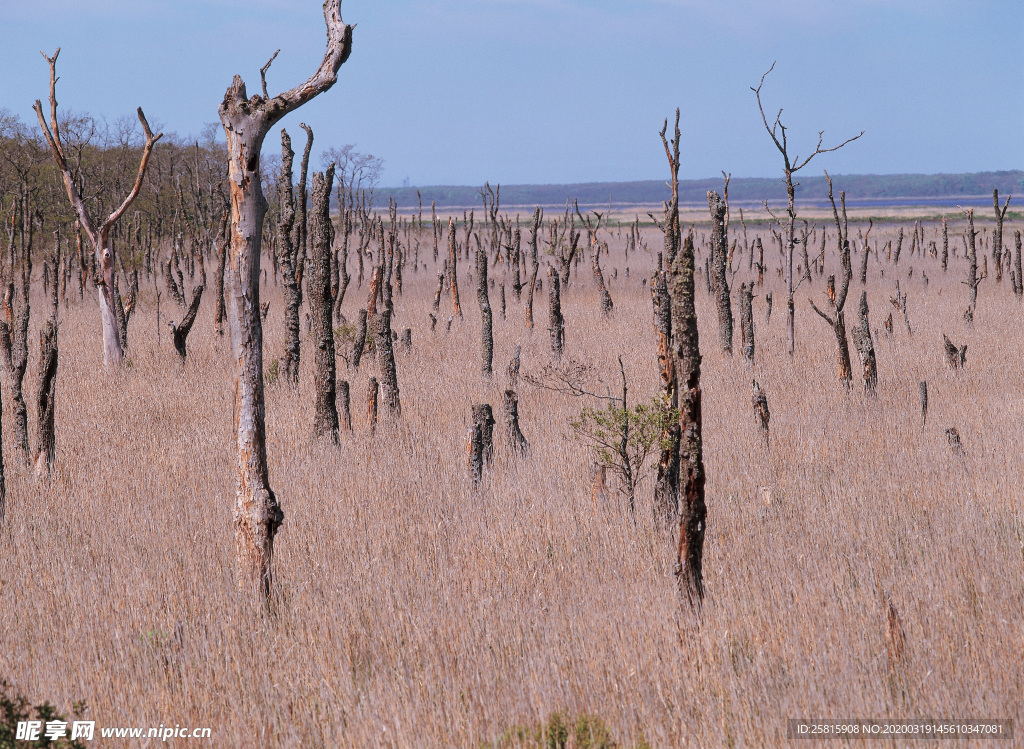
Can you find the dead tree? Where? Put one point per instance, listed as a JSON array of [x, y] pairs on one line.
[[486, 319], [359, 342], [481, 441], [14, 347], [717, 266], [99, 237], [325, 419], [865, 346], [747, 319], [385, 350], [900, 303], [762, 415], [666, 487], [973, 279], [777, 131], [372, 391], [221, 314], [538, 216], [997, 234], [595, 259], [1018, 282], [513, 434], [945, 245], [453, 262], [179, 333], [955, 356], [837, 298], [556, 323], [288, 250], [922, 392], [46, 397], [344, 405], [246, 123]]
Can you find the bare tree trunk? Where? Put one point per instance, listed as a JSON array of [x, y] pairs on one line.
[[221, 314], [666, 488], [344, 405], [556, 323], [179, 333], [1018, 281], [972, 268], [747, 319], [14, 344], [325, 419], [288, 258], [360, 340], [865, 346], [997, 234], [837, 300], [535, 265], [453, 275], [719, 279], [602, 288], [246, 123], [945, 245], [386, 358], [372, 391], [514, 436], [487, 333], [481, 441], [46, 397]]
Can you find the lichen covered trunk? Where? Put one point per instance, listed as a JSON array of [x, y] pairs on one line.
[[325, 419]]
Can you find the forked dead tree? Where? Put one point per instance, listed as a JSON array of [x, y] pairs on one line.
[[777, 131], [997, 234], [98, 235], [325, 418], [837, 298], [955, 356], [900, 303], [246, 123], [179, 332], [973, 279]]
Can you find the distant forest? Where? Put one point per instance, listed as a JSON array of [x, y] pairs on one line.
[[886, 189]]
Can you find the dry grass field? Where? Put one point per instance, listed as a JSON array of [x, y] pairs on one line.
[[414, 611]]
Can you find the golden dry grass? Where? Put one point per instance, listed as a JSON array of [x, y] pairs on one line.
[[414, 611]]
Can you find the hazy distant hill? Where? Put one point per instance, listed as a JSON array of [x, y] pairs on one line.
[[860, 188]]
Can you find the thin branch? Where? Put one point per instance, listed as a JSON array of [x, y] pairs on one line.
[[263, 73]]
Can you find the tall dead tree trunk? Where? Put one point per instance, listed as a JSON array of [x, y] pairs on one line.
[[973, 279], [837, 299], [383, 343], [777, 131], [14, 347], [221, 314], [325, 419], [246, 123], [719, 279], [556, 323], [535, 266], [453, 271], [1018, 286], [486, 319], [997, 234], [288, 248], [99, 237], [666, 487]]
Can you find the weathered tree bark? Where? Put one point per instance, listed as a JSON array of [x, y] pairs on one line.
[[719, 279], [46, 397], [602, 287], [922, 392], [325, 419], [179, 333], [221, 314], [14, 345], [945, 245], [666, 487], [360, 340], [514, 436], [246, 123], [686, 351], [1018, 287], [997, 234], [486, 319], [900, 303], [453, 274], [386, 357], [556, 323], [288, 250], [344, 405], [747, 319], [481, 441], [372, 391], [973, 279], [103, 247], [865, 346], [535, 265], [956, 356], [762, 415], [837, 299]]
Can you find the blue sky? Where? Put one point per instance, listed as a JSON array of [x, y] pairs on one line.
[[553, 91]]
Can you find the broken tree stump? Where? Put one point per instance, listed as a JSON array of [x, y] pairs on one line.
[[514, 436]]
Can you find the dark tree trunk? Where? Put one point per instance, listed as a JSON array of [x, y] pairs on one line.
[[386, 357], [514, 436], [719, 278], [865, 346], [345, 405], [46, 397], [486, 319], [325, 419], [666, 487], [360, 340], [747, 319], [556, 323]]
